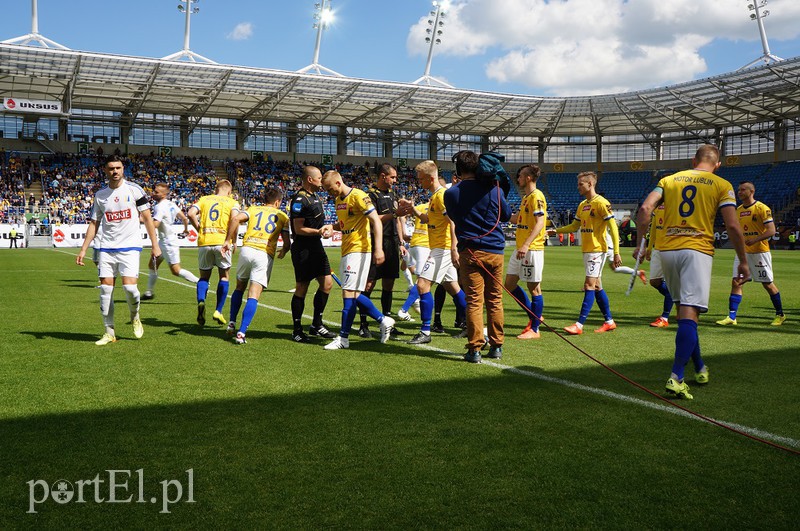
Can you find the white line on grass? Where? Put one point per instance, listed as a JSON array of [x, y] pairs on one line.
[[788, 441]]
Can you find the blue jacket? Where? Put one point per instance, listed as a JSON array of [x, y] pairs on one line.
[[474, 208]]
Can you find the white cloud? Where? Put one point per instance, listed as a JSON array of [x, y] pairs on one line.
[[570, 47], [242, 31]]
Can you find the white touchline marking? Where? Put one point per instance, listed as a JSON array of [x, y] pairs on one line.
[[567, 383]]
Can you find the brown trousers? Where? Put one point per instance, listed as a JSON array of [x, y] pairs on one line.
[[483, 288]]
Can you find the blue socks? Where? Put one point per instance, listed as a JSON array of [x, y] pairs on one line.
[[222, 294], [202, 290], [249, 312], [413, 295], [588, 302], [537, 307], [603, 304], [733, 305], [687, 346], [366, 305], [236, 303], [521, 298], [348, 316], [668, 302], [460, 301], [426, 311], [776, 302]]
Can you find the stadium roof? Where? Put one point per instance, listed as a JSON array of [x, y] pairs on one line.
[[143, 85]]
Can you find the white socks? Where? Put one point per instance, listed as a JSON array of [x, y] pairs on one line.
[[188, 275], [624, 269], [107, 307], [132, 294]]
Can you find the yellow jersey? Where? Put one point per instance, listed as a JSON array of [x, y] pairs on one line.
[[438, 225], [420, 236], [753, 219], [215, 212], [264, 227], [533, 205], [691, 200], [594, 215], [352, 213]]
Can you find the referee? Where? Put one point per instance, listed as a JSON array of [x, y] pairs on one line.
[[307, 217], [384, 199]]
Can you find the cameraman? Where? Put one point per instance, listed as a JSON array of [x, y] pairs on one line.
[[477, 206]]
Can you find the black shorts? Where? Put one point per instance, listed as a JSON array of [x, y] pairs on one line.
[[390, 268], [309, 262]]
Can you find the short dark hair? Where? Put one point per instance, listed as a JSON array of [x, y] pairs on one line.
[[708, 153], [466, 162], [384, 168], [532, 170], [272, 194], [113, 158]]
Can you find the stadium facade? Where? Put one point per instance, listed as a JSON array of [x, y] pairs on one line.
[[63, 100]]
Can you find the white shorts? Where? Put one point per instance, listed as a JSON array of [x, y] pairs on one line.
[[760, 267], [593, 264], [354, 270], [211, 256], [688, 277], [529, 269], [418, 256], [439, 267], [121, 264], [170, 251], [656, 269], [254, 265]]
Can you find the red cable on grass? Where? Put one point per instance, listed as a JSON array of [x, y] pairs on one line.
[[637, 385]]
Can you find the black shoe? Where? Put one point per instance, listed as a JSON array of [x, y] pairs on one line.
[[321, 331], [473, 356], [438, 328], [461, 335], [395, 332], [419, 339], [364, 332], [460, 324], [495, 352], [147, 296], [298, 336]]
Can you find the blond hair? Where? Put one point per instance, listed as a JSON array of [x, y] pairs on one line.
[[427, 167]]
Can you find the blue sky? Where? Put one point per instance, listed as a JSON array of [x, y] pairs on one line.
[[538, 47]]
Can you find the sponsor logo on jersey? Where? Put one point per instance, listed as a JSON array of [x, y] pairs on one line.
[[745, 213], [118, 215], [341, 206], [587, 207]]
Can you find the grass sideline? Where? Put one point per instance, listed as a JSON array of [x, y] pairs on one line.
[[389, 436]]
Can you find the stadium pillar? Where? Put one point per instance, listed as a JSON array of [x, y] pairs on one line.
[[62, 129], [388, 134], [125, 127], [291, 137], [541, 148], [341, 141], [718, 140], [242, 131], [781, 133], [433, 142], [659, 146], [484, 143], [184, 129]]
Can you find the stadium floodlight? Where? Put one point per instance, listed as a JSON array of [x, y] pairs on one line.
[[34, 38], [186, 53], [323, 17], [434, 36], [758, 15]]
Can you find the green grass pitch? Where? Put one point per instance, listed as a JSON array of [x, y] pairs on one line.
[[281, 435]]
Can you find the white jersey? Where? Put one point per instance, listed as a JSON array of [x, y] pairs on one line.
[[166, 212], [118, 210]]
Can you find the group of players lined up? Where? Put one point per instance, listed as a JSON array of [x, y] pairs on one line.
[[373, 234]]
